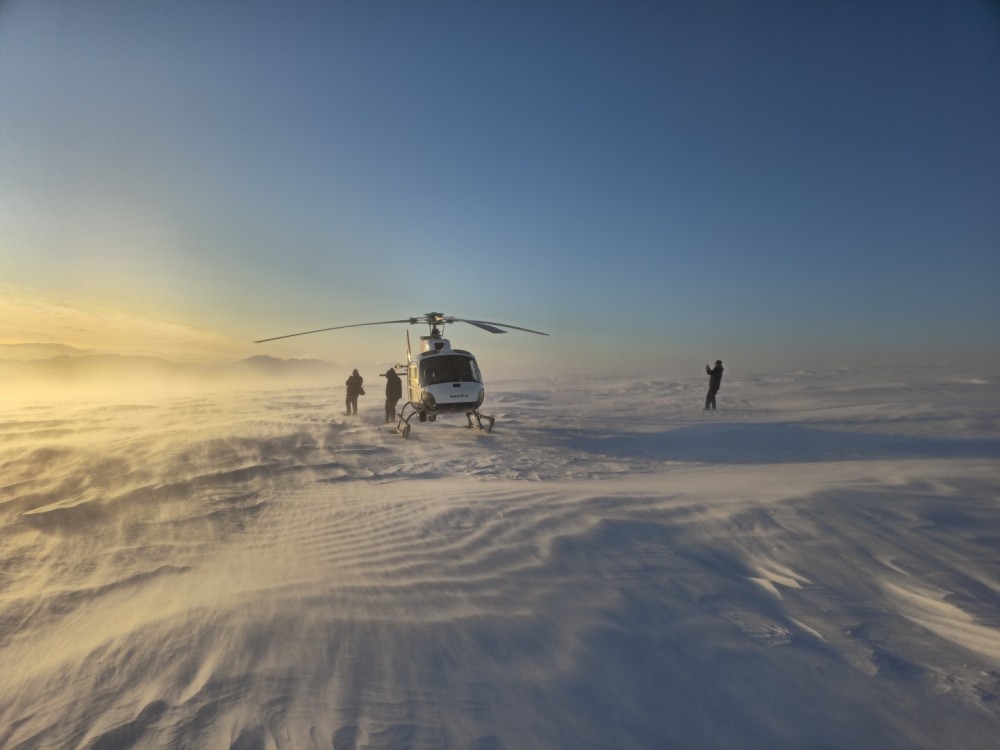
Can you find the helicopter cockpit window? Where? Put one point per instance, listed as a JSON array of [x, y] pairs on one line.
[[448, 370]]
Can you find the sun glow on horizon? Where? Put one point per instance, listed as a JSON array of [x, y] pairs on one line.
[[32, 319]]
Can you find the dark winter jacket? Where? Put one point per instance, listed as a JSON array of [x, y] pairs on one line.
[[393, 386], [714, 377], [354, 385]]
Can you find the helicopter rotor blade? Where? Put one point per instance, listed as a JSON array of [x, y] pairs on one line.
[[433, 319], [492, 327], [485, 326], [411, 321]]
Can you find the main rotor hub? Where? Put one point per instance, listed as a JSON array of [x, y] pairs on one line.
[[436, 321]]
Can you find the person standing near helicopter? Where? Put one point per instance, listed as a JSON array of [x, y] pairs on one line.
[[714, 383], [354, 389], [393, 392]]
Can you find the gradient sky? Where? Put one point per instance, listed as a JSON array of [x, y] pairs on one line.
[[657, 184]]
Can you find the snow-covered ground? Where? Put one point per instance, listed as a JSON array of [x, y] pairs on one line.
[[815, 565]]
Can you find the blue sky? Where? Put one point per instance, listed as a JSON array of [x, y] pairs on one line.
[[658, 184]]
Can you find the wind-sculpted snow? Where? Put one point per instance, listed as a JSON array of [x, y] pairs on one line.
[[817, 564]]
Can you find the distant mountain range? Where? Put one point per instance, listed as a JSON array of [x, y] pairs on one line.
[[58, 362], [20, 352]]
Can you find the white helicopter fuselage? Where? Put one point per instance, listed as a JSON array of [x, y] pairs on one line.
[[441, 379]]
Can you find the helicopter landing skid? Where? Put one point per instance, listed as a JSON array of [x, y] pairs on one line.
[[480, 418], [477, 420], [403, 425]]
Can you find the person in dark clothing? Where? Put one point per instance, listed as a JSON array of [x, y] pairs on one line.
[[714, 383], [354, 389], [393, 392]]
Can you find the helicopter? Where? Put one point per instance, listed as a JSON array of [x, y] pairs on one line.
[[439, 379]]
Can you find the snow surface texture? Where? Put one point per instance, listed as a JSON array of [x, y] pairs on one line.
[[817, 564]]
